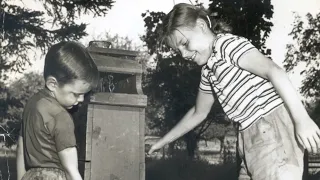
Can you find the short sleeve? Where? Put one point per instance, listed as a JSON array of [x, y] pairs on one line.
[[64, 131], [233, 47], [205, 85]]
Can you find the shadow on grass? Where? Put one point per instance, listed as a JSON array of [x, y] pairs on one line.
[[183, 169]]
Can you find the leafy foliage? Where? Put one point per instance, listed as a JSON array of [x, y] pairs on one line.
[[306, 49], [171, 90], [250, 19], [24, 29], [17, 95]]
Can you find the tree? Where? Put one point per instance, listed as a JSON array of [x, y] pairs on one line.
[[171, 90], [306, 50], [18, 94], [174, 83], [220, 131], [23, 88], [6, 102], [23, 29], [248, 18], [119, 42]]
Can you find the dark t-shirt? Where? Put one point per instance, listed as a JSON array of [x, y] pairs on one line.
[[47, 128]]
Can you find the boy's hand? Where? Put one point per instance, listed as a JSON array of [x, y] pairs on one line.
[[308, 135]]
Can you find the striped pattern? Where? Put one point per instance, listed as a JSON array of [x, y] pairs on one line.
[[244, 96]]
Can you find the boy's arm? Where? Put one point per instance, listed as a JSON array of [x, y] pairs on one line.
[[69, 160], [66, 145], [307, 131], [191, 120], [21, 170]]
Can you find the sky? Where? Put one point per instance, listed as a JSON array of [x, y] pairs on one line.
[[125, 19]]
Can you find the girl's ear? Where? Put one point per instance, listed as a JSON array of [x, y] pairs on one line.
[[51, 83], [202, 25]]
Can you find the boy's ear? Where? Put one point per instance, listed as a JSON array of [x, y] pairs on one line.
[[51, 83], [202, 25]]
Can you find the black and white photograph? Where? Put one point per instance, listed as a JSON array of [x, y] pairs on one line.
[[159, 90]]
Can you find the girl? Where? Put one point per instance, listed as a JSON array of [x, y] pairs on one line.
[[274, 126]]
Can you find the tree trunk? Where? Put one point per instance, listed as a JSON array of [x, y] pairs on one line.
[[222, 153], [171, 149], [191, 141]]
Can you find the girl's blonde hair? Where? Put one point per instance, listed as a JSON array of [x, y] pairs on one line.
[[185, 15]]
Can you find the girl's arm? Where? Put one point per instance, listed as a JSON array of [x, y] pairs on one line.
[[191, 120], [307, 131], [21, 170], [69, 160]]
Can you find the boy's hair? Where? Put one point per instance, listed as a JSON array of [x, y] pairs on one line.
[[68, 61], [185, 15]]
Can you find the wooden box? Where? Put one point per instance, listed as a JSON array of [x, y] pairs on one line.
[[110, 123]]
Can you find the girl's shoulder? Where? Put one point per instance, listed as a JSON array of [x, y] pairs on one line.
[[224, 39]]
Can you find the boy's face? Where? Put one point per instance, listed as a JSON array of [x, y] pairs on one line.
[[194, 44], [71, 94]]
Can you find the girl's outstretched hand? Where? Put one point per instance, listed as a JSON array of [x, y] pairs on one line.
[[154, 148], [308, 135]]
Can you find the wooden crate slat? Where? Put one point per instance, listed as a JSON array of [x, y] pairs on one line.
[[110, 51], [89, 132], [116, 65], [119, 99]]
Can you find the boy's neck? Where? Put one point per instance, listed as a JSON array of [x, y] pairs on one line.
[[49, 92]]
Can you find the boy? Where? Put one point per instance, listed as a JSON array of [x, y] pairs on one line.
[[47, 145]]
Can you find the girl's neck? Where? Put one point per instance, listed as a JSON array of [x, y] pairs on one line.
[[213, 41]]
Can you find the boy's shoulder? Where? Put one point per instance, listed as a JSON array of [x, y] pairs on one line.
[[45, 105], [44, 112]]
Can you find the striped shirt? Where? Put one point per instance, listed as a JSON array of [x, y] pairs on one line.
[[244, 96]]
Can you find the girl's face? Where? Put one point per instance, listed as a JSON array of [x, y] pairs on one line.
[[193, 43]]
